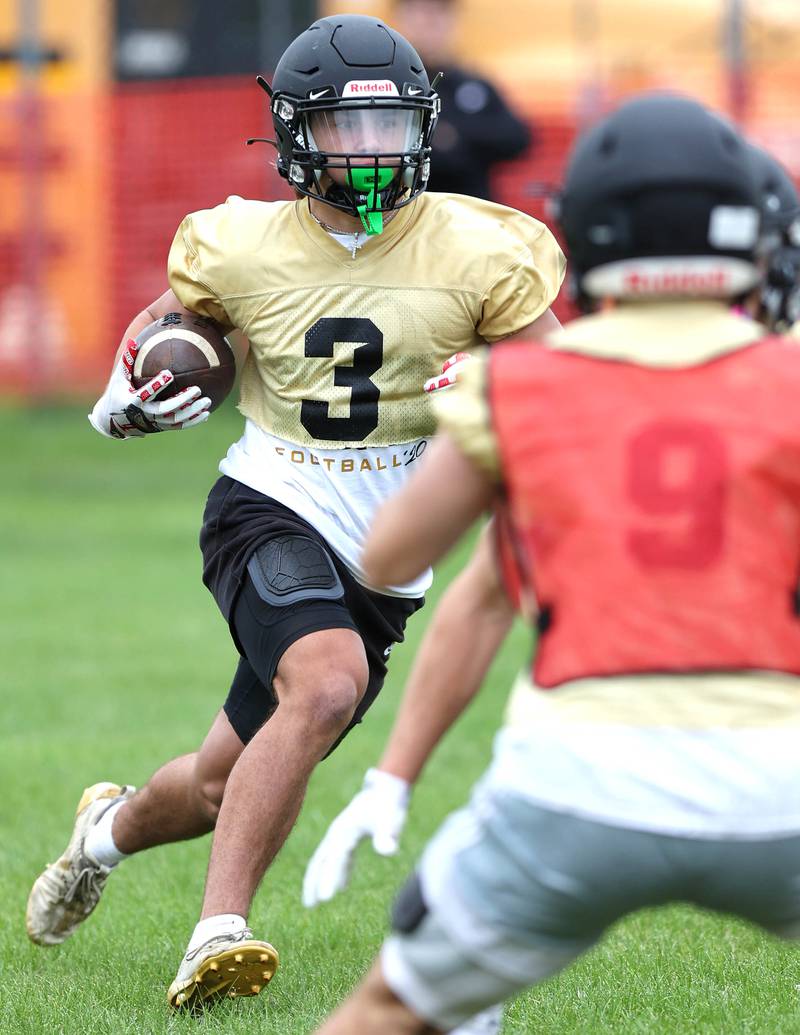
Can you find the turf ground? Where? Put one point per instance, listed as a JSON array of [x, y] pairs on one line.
[[115, 659]]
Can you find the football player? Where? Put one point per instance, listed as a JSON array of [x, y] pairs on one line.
[[645, 468], [350, 297], [445, 678]]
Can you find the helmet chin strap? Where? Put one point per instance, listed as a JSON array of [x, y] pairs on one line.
[[371, 182]]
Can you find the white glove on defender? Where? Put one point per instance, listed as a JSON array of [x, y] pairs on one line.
[[123, 411], [378, 811]]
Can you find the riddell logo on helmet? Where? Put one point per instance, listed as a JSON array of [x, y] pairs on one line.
[[693, 282], [688, 276], [370, 87]]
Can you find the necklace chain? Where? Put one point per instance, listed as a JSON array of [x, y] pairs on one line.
[[355, 244], [333, 229]]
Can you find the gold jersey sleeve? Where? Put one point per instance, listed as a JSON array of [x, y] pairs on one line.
[[193, 265], [341, 341], [463, 412], [526, 287]]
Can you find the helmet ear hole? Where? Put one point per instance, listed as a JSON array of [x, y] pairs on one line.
[[610, 229], [730, 142], [607, 145]]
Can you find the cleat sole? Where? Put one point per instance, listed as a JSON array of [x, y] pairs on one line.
[[233, 973]]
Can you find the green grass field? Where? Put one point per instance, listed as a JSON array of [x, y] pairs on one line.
[[114, 659]]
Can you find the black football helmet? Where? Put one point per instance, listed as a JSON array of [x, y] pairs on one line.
[[660, 199], [354, 113], [779, 302]]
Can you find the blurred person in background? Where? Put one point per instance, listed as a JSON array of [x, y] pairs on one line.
[[476, 128], [645, 463], [362, 258]]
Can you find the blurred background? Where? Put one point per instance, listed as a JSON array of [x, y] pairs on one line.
[[117, 117]]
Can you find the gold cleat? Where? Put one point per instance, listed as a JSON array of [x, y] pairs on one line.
[[223, 967], [68, 890]]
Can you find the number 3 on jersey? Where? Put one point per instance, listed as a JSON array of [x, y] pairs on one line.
[[364, 393]]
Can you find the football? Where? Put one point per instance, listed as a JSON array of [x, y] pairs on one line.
[[193, 348]]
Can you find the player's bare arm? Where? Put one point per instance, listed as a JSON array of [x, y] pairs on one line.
[[418, 525], [445, 678], [541, 326], [409, 534], [443, 681], [166, 303]]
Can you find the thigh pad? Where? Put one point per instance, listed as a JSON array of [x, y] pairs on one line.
[[290, 568]]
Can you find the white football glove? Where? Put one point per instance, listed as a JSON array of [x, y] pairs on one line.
[[378, 811], [123, 411], [451, 369]]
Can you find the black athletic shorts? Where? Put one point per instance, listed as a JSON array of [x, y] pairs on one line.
[[275, 579]]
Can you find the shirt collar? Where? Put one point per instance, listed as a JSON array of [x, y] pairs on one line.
[[659, 334], [374, 246]]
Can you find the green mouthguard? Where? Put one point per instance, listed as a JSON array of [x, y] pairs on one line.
[[371, 181]]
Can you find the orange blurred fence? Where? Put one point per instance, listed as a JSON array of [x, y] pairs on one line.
[[84, 232], [175, 150]]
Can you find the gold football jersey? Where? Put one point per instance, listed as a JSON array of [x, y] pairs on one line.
[[341, 344]]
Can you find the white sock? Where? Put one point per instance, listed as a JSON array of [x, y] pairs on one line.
[[99, 841], [224, 923]]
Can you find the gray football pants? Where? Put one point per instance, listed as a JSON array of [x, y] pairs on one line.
[[508, 893]]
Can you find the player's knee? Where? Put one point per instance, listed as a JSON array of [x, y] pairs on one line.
[[208, 795], [328, 706], [321, 679]]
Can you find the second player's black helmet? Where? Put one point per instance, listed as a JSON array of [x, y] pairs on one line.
[[354, 112], [780, 291], [660, 198]]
